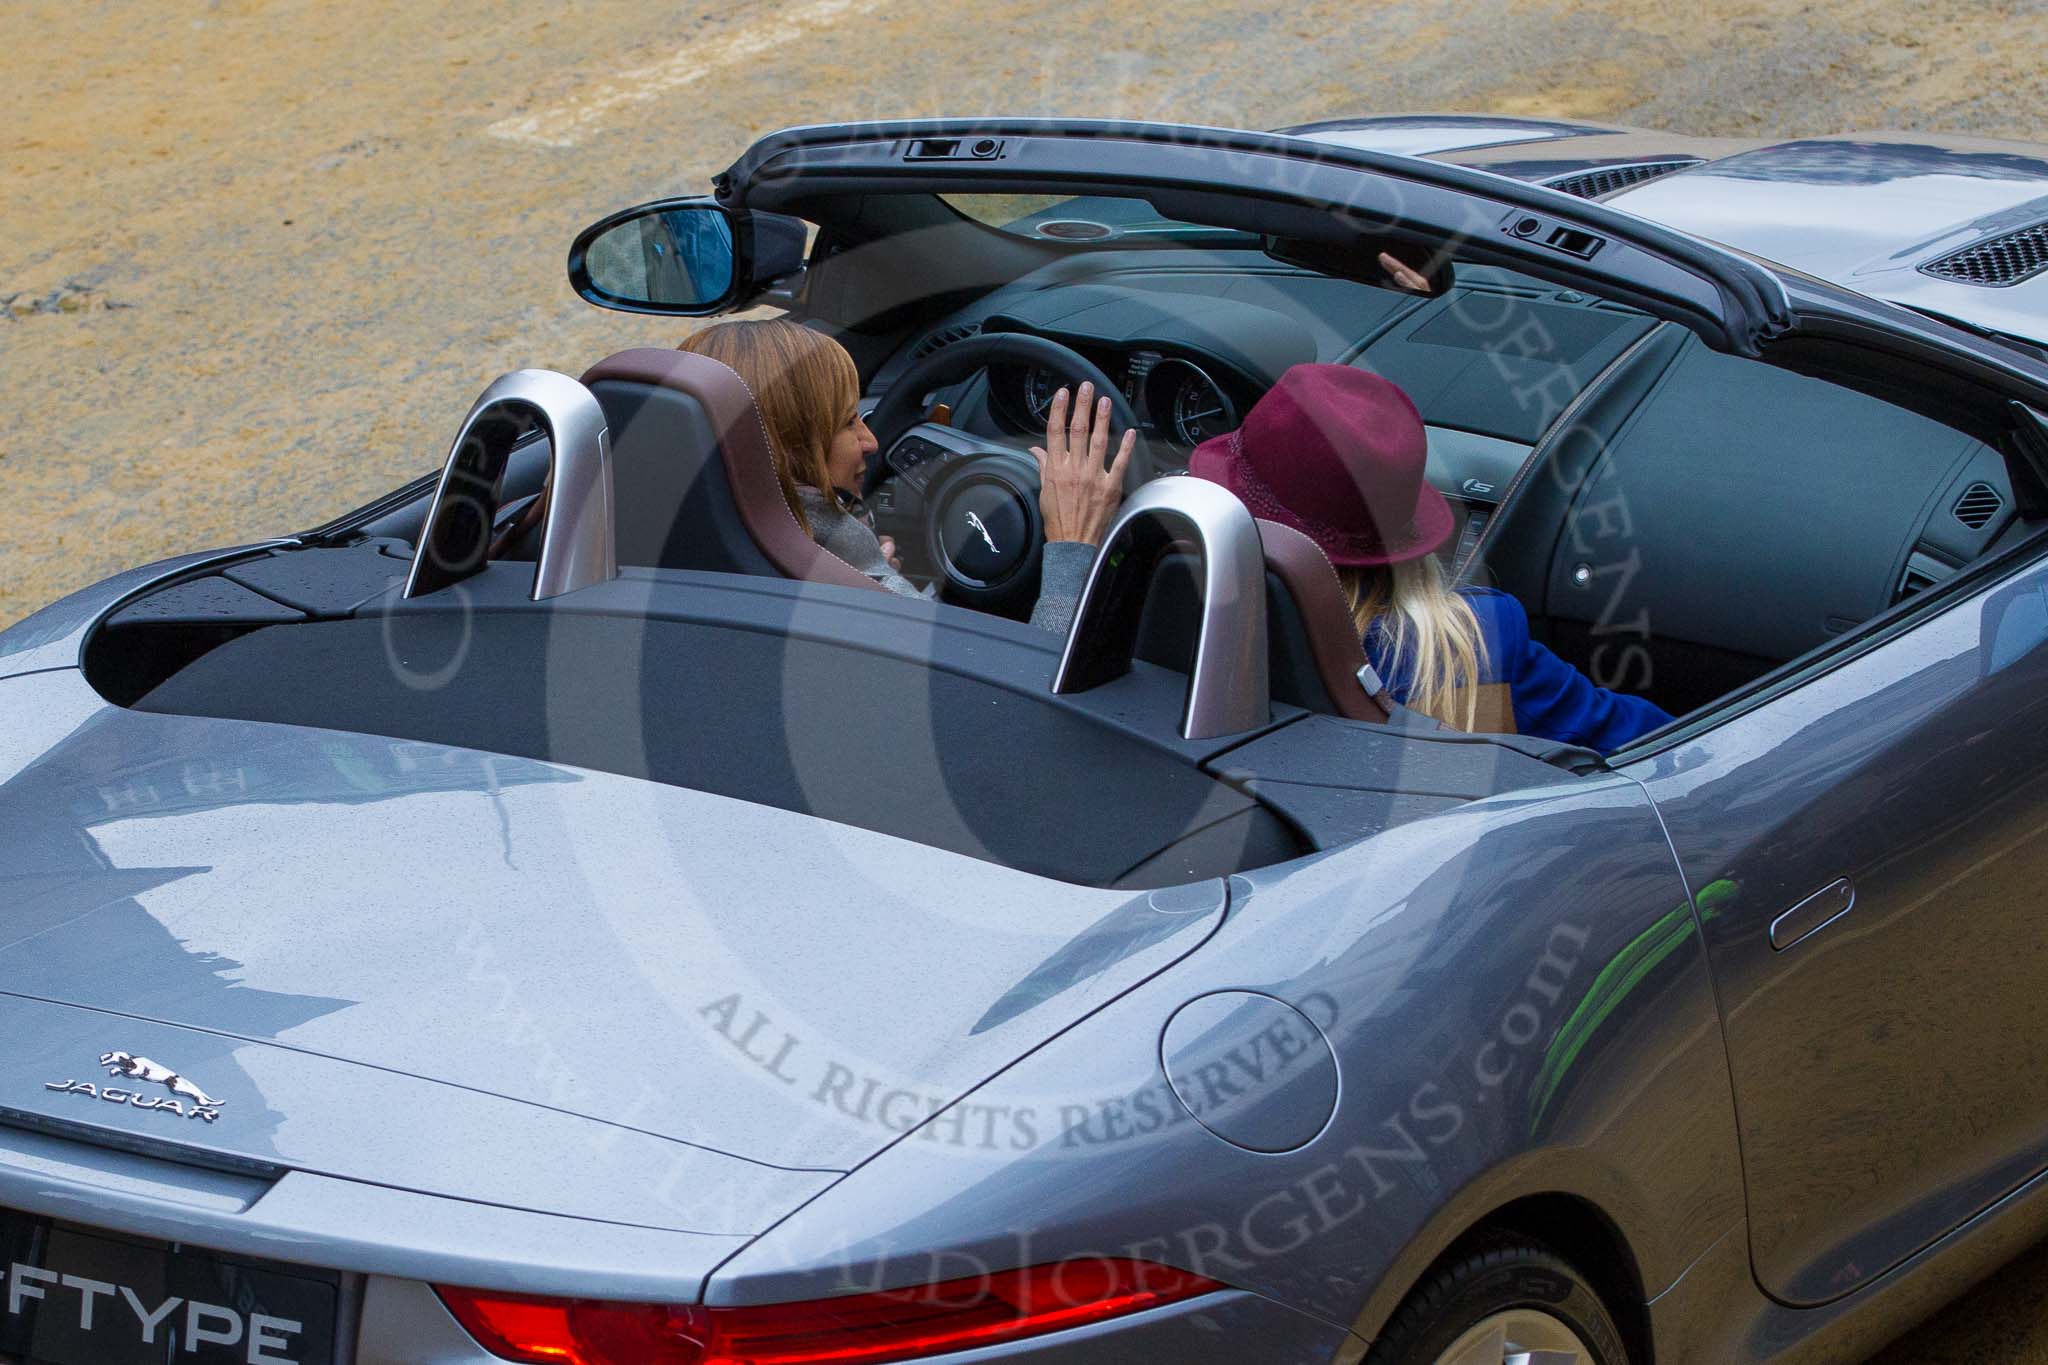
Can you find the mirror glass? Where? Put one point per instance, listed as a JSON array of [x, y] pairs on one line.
[[664, 258]]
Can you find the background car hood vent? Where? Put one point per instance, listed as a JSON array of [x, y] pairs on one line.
[[2002, 261], [1978, 505], [1607, 179], [945, 337]]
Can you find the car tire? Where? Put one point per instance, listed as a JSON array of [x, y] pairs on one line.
[[1500, 1299]]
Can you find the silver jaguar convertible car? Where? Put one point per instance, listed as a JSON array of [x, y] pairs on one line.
[[558, 913]]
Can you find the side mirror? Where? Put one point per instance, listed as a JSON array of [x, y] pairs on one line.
[[683, 257]]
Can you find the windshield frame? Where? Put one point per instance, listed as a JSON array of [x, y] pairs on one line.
[[1271, 183]]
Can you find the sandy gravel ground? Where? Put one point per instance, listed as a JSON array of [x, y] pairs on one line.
[[257, 258]]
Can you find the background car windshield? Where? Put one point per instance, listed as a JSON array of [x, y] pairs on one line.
[[1088, 218]]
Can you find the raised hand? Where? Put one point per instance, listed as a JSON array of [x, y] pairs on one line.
[[1077, 494]]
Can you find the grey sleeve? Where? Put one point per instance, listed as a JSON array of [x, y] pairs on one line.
[[1060, 581], [903, 587], [855, 541], [880, 570]]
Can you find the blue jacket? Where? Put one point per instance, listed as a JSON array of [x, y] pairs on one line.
[[1550, 697]]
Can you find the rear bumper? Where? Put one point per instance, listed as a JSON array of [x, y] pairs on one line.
[[392, 1244]]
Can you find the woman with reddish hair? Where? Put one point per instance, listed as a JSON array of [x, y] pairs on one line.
[[1339, 454], [808, 393]]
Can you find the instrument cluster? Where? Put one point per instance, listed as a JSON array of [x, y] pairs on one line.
[[1176, 399]]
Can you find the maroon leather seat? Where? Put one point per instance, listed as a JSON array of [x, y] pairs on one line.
[[693, 475], [1322, 619], [1314, 652]]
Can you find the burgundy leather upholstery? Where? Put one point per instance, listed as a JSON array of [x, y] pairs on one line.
[[744, 453], [1333, 639]]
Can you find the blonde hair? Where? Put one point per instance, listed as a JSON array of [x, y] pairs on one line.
[[805, 385], [1429, 628]]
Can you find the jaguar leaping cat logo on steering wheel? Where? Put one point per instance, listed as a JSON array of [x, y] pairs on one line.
[[142, 1069], [974, 520]]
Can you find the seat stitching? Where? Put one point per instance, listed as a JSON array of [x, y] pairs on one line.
[[1338, 583], [761, 423], [768, 443]]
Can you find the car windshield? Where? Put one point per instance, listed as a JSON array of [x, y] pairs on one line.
[[1086, 218]]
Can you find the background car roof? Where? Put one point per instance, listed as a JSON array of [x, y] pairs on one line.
[[1954, 226], [1436, 134]]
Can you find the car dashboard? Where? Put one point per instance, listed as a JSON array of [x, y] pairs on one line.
[[1500, 366], [1192, 344]]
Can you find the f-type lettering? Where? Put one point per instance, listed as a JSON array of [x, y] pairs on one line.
[[266, 1340], [208, 1324], [267, 1335], [150, 1319], [88, 1290], [25, 1282]]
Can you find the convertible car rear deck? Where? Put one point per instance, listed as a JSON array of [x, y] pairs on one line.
[[927, 722]]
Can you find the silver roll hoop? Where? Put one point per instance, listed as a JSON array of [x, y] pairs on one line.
[[576, 539], [1228, 688]]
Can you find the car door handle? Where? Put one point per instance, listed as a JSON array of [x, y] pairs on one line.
[[1813, 914]]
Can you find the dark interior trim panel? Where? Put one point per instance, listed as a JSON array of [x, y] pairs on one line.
[[927, 722]]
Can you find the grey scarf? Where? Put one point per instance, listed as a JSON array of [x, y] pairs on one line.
[[853, 539]]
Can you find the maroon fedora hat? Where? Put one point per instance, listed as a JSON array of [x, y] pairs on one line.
[[1338, 454]]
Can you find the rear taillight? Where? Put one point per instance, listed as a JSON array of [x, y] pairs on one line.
[[578, 1331], [858, 1329]]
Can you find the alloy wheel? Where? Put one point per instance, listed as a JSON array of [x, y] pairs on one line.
[[1522, 1336]]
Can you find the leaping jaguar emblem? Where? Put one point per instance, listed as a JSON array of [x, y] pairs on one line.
[[974, 520], [142, 1069]]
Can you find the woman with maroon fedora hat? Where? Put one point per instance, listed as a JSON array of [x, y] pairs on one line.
[[1339, 454]]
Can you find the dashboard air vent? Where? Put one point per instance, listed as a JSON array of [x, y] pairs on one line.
[[945, 336], [1607, 179], [1998, 263], [1923, 571], [1912, 582], [1978, 505]]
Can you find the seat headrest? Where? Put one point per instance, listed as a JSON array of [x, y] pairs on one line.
[[1333, 639], [746, 457]]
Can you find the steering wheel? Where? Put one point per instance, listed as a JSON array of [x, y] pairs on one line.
[[980, 523]]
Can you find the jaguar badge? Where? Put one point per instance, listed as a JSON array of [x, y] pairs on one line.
[[974, 520], [186, 1099]]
